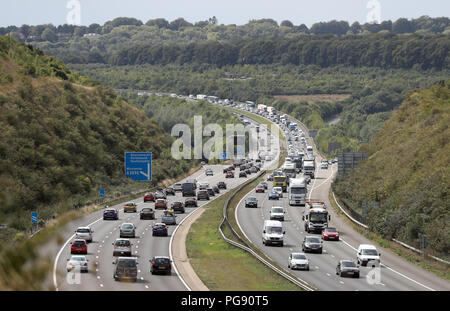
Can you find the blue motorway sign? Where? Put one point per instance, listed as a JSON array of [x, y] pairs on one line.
[[138, 165], [102, 193], [223, 156], [34, 217]]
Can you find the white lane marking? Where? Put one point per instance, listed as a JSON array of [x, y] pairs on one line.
[[98, 277], [317, 267], [146, 286], [237, 218], [101, 285], [341, 282], [328, 274]]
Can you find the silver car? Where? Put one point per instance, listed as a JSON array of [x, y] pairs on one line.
[[298, 261], [84, 233], [127, 230], [77, 262], [122, 247]]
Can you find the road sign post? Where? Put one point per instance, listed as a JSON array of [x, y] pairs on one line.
[[138, 166], [423, 245], [34, 221], [102, 193]]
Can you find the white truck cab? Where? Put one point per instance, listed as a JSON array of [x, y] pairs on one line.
[[273, 233], [368, 255]]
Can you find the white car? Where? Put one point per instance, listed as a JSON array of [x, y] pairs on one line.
[[84, 233], [76, 262], [278, 190], [368, 254], [203, 186], [298, 261], [277, 213]]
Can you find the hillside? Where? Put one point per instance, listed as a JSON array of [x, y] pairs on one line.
[[64, 137], [408, 172]]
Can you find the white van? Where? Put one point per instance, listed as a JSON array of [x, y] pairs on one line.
[[273, 233], [368, 255]]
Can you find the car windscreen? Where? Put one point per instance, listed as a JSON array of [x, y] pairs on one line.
[[318, 217], [298, 190], [127, 263], [78, 243], [160, 201], [274, 230], [127, 226], [349, 264], [313, 240], [279, 179], [277, 210], [187, 186], [123, 243], [162, 261], [147, 210], [298, 256], [251, 199], [370, 252], [84, 230], [330, 230]]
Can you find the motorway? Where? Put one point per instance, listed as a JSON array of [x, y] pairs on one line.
[[395, 273]]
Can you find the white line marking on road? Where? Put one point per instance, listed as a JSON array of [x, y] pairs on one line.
[[146, 286], [101, 285], [98, 277], [341, 282], [328, 274]]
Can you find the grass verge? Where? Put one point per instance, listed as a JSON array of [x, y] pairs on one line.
[[223, 267], [439, 269]]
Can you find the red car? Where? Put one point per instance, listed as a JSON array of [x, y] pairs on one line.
[[149, 197], [330, 234], [161, 203], [78, 246], [260, 189]]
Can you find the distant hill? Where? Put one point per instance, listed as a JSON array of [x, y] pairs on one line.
[[408, 172], [63, 137]]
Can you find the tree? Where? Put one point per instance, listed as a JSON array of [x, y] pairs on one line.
[[356, 28], [94, 28], [25, 30], [402, 25], [179, 23], [49, 35], [158, 22], [287, 23], [213, 20]]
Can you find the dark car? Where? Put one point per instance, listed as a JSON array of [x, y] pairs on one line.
[[169, 191], [347, 268], [251, 202], [149, 197], [159, 229], [190, 202], [110, 213], [264, 184], [225, 170], [169, 219], [229, 174], [125, 269], [178, 207], [231, 168], [202, 195], [161, 264], [211, 192], [188, 189], [242, 174], [270, 177], [221, 185], [177, 188], [312, 244], [248, 172], [147, 213], [274, 196], [209, 172], [216, 189]]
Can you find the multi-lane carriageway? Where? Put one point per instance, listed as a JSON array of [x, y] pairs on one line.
[[145, 246], [395, 273]]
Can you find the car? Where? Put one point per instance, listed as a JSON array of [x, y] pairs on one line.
[[270, 177], [190, 202], [188, 189], [130, 207], [231, 168], [242, 174], [110, 213], [169, 219], [122, 247], [161, 203], [324, 166], [277, 213], [202, 195], [125, 269], [274, 195], [312, 244], [177, 188], [160, 195], [211, 192], [366, 254], [225, 170], [209, 172], [77, 262], [85, 233], [161, 264], [251, 202], [177, 206], [221, 185], [264, 184], [169, 191], [149, 197], [347, 268], [78, 246], [254, 169], [127, 230], [298, 261], [159, 229], [229, 174], [278, 190], [203, 186], [248, 172], [330, 234], [260, 189], [147, 213], [216, 189], [307, 178]]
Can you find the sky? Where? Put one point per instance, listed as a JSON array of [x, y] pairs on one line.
[[56, 12]]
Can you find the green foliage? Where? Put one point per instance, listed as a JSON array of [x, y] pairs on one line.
[[408, 172]]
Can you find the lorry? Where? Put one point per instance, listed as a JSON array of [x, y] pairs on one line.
[[289, 169], [316, 218], [309, 167], [298, 161], [280, 181], [297, 191], [292, 126], [271, 110]]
